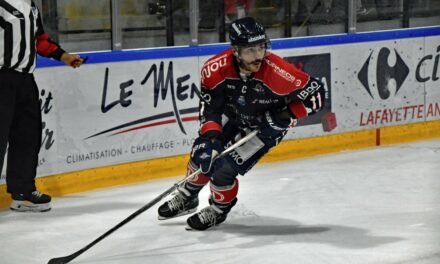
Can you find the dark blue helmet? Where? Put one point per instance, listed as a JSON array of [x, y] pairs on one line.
[[246, 31]]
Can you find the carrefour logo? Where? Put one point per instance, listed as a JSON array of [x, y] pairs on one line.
[[383, 75], [388, 77]]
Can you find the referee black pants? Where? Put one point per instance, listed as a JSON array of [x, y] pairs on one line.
[[20, 129]]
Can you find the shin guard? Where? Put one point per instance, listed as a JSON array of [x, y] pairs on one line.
[[196, 183], [224, 195]]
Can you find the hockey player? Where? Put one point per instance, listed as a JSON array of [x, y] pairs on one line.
[[242, 89]]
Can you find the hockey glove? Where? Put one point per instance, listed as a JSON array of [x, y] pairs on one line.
[[314, 102], [311, 99], [203, 153], [272, 124]]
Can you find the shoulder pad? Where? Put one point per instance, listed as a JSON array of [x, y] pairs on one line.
[[217, 69], [280, 76]]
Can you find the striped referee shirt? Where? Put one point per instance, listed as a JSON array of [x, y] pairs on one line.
[[22, 36]]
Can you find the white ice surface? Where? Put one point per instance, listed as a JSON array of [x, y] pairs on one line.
[[380, 205]]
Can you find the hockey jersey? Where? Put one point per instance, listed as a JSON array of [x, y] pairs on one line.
[[224, 92]]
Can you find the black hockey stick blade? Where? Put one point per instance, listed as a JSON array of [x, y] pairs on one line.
[[67, 259], [63, 260]]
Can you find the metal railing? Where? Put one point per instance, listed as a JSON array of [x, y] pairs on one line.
[[115, 25]]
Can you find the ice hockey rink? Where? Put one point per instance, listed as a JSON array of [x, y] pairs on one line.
[[378, 205]]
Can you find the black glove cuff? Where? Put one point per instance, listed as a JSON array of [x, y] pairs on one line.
[[283, 116], [212, 134], [57, 54]]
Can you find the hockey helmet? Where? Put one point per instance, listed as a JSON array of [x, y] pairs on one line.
[[247, 32]]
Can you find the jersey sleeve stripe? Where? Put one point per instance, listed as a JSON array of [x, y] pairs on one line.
[[209, 126], [298, 110], [44, 46]]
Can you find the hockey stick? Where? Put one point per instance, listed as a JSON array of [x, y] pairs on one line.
[[67, 259]]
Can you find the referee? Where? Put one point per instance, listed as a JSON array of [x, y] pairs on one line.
[[21, 37]]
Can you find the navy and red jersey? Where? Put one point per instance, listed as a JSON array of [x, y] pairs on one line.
[[23, 36], [225, 93]]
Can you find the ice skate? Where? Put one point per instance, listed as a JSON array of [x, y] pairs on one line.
[[209, 216], [30, 202], [181, 204]]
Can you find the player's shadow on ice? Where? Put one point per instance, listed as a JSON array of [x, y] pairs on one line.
[[248, 230], [254, 232], [272, 230]]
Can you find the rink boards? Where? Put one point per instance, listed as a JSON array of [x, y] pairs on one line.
[[131, 116]]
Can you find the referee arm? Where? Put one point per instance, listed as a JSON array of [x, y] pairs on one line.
[[48, 48]]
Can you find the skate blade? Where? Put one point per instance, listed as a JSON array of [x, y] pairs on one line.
[[23, 206], [188, 228], [178, 215]]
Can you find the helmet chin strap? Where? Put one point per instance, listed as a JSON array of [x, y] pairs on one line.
[[243, 66]]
